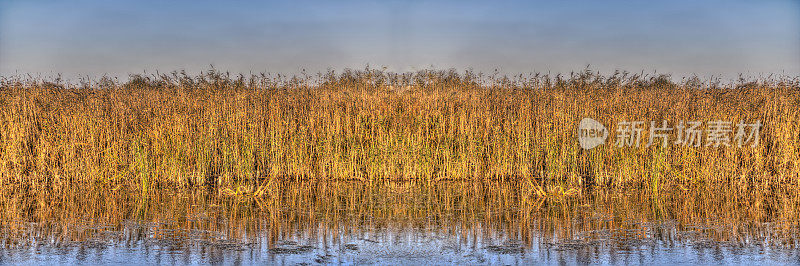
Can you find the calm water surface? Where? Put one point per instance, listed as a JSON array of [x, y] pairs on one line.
[[300, 223]]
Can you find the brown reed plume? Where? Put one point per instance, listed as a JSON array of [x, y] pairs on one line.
[[238, 133]]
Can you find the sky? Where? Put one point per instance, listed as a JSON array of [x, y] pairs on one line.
[[117, 38]]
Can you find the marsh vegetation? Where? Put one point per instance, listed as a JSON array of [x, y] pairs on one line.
[[378, 167], [238, 134]]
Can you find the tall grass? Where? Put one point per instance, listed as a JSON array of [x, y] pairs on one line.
[[239, 133]]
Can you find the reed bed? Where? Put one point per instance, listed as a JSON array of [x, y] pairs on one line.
[[238, 134]]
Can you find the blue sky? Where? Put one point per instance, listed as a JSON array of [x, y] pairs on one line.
[[674, 37]]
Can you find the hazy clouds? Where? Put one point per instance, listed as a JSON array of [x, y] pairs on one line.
[[98, 37]]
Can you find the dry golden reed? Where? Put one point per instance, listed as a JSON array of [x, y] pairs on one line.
[[239, 133]]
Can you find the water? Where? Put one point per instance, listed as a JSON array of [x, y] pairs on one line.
[[398, 223]]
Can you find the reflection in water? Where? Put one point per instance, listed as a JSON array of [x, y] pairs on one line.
[[397, 223]]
